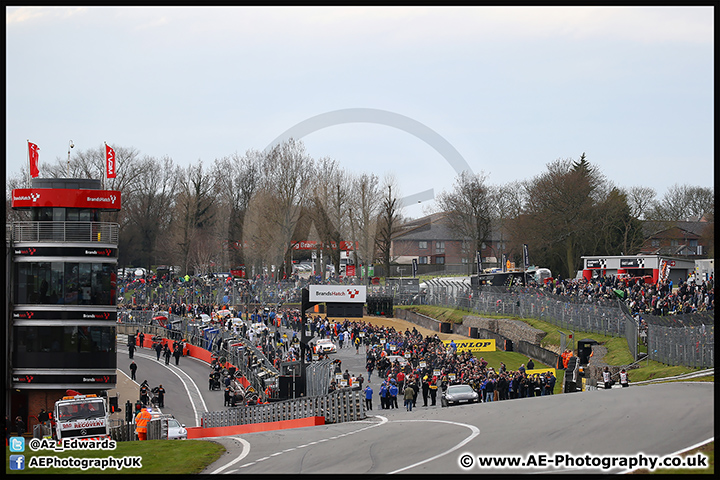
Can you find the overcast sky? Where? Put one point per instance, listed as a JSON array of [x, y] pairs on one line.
[[397, 90]]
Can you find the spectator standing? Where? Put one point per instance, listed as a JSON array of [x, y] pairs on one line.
[[133, 370], [384, 396], [607, 379], [370, 366], [44, 417], [393, 394], [368, 397], [425, 390], [19, 426], [408, 396], [161, 396], [624, 379], [141, 421], [144, 390], [167, 354], [433, 391]]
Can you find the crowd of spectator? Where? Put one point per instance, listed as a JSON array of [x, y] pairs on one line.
[[641, 298], [431, 364]]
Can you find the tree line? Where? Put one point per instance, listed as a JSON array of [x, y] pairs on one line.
[[569, 211], [251, 210]]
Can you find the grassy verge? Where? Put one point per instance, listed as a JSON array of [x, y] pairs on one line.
[[156, 457], [617, 349]]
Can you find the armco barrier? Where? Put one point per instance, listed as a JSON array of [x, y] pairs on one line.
[[337, 407]]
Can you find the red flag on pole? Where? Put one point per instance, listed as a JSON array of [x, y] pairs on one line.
[[110, 161], [33, 152]]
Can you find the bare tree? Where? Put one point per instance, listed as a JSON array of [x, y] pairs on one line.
[[288, 175], [684, 202], [238, 179], [506, 203], [468, 209], [148, 209], [640, 200], [330, 207], [195, 214], [364, 211], [389, 221]]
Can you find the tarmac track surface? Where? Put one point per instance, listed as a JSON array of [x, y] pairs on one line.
[[653, 420]]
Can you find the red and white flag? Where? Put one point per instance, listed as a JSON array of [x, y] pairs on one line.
[[110, 161], [33, 153]]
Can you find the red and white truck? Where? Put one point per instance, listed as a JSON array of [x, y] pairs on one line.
[[82, 417]]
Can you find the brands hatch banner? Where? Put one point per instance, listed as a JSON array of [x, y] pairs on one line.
[[338, 294], [87, 379], [312, 245], [64, 197], [65, 252], [49, 314], [473, 345]]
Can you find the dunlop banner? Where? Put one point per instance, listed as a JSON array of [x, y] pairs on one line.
[[473, 345], [541, 371]]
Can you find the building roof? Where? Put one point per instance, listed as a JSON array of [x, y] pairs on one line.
[[653, 228], [435, 227]]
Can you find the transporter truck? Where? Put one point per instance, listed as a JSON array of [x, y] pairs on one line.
[[82, 417]]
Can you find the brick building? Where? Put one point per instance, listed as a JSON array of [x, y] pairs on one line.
[[430, 241]]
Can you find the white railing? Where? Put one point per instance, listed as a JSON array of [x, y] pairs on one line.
[[65, 232]]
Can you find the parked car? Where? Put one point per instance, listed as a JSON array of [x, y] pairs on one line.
[[455, 394], [398, 358], [325, 345], [176, 430], [259, 327]]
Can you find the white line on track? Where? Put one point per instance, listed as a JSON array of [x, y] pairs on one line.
[[194, 398], [245, 451], [475, 432], [246, 447], [383, 420]]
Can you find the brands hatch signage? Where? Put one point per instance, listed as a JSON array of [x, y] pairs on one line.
[[65, 379], [65, 197], [65, 252], [312, 245], [63, 315], [338, 294]]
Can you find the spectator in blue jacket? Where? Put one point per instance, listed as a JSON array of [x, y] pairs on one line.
[[368, 397]]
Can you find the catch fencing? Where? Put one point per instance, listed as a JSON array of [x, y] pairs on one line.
[[340, 406], [318, 376], [687, 340], [674, 339]]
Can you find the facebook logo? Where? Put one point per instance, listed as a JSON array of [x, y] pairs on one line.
[[17, 444], [17, 462]]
